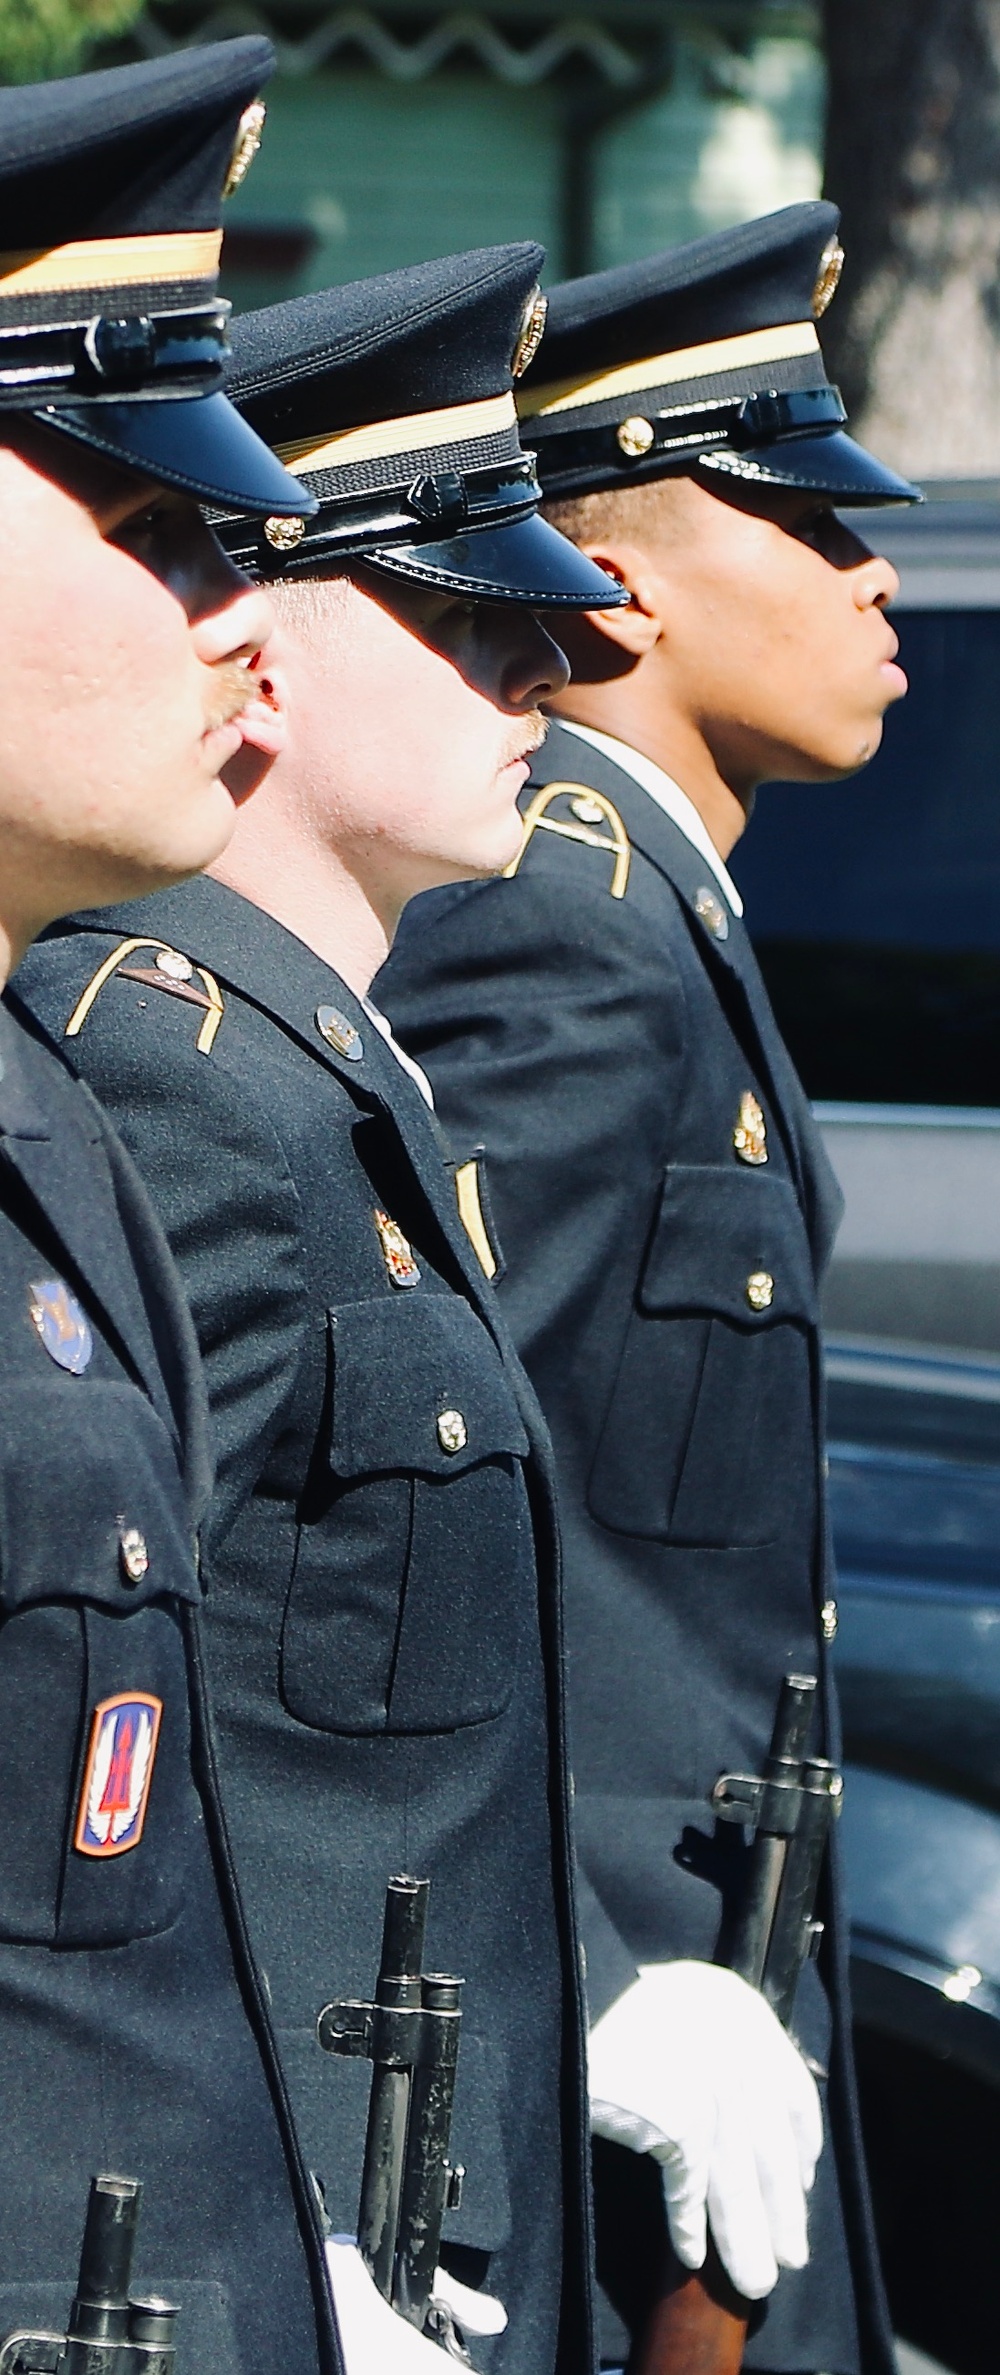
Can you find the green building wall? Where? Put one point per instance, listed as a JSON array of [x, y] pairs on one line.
[[360, 172]]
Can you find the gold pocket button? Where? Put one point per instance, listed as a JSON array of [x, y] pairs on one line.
[[453, 1434], [760, 1290]]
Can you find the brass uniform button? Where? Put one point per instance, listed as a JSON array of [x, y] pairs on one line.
[[588, 810], [760, 1290], [829, 1619], [339, 1033], [172, 965], [635, 436], [133, 1554], [453, 1434], [711, 913], [284, 534]]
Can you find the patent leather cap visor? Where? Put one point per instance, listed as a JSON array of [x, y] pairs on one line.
[[527, 561], [200, 444], [831, 464]]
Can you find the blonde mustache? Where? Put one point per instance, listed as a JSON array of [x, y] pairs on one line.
[[231, 691]]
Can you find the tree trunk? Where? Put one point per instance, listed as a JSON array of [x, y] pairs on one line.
[[913, 160]]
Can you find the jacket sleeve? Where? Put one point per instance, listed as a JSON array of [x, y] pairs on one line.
[[519, 999], [232, 1219]]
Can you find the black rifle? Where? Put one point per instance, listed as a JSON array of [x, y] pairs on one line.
[[698, 2326], [109, 2333], [789, 1807], [410, 2034]]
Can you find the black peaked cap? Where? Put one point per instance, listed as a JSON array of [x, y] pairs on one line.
[[704, 356], [392, 401], [111, 327]]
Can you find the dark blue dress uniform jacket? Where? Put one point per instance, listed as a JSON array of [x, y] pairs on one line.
[[132, 2034], [600, 1046], [383, 1625]]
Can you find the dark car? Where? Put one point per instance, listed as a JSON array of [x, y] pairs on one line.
[[875, 909]]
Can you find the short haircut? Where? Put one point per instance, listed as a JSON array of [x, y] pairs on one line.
[[656, 512]]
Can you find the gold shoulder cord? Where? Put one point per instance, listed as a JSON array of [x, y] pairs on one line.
[[127, 948], [616, 842]]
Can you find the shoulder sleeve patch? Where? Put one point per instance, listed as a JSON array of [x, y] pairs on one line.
[[589, 811], [472, 1216], [170, 971]]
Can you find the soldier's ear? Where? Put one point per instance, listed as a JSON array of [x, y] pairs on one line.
[[265, 723], [638, 628]]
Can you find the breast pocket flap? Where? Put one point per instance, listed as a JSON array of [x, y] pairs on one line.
[[418, 1387], [91, 1501], [732, 1243]]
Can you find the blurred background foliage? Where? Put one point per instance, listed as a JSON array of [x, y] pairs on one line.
[[39, 38]]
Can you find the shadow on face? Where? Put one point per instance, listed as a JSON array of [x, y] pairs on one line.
[[755, 629], [500, 648]]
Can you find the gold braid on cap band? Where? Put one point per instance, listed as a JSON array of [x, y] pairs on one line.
[[663, 371], [111, 263], [415, 432]]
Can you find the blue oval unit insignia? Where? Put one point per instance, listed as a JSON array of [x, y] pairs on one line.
[[114, 1793], [61, 1323]]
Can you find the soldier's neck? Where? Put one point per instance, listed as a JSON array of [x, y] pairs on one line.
[[309, 888], [672, 740]]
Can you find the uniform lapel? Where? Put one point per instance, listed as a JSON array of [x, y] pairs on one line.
[[730, 961], [268, 967], [59, 1154]]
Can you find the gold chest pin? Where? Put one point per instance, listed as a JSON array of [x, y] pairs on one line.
[[397, 1252], [750, 1130]]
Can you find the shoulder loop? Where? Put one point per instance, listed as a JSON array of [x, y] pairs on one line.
[[210, 1000], [583, 799]]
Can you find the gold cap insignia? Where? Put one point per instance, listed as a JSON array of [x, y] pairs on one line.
[[831, 265], [397, 1252], [635, 436], [750, 1131], [245, 146], [529, 336], [284, 534]]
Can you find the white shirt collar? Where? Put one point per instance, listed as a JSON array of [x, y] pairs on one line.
[[383, 1026], [668, 796]]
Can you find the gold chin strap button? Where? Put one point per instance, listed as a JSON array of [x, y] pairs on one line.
[[760, 1290], [452, 1432], [635, 436], [829, 1619], [284, 534]]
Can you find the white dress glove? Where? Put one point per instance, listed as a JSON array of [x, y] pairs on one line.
[[376, 2340], [692, 2066]]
